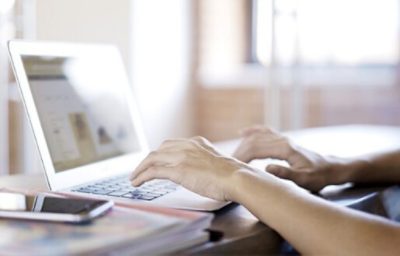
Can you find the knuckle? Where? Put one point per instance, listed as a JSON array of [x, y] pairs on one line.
[[198, 138], [153, 154], [253, 138], [191, 144], [171, 141], [202, 140], [167, 142]]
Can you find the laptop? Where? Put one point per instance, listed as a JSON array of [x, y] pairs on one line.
[[87, 126]]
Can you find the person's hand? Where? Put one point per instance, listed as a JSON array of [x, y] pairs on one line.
[[307, 169], [192, 163], [259, 142]]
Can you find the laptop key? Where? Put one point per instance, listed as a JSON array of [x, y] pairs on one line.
[[136, 192], [118, 193], [122, 187], [95, 186], [101, 192], [131, 196], [84, 190], [125, 187], [114, 187]]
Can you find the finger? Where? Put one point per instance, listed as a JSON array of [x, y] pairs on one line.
[[257, 129], [154, 172], [278, 149], [205, 144], [279, 171], [252, 129], [300, 178], [156, 158], [287, 173]]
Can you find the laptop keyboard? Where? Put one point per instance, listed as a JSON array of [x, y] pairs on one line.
[[121, 187]]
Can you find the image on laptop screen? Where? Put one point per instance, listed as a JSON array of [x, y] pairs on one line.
[[82, 110]]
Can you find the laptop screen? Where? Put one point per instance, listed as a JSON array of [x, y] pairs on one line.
[[82, 109]]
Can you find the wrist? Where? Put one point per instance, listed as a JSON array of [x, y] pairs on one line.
[[345, 170], [243, 179], [236, 183], [357, 170]]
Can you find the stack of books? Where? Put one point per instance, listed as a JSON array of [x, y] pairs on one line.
[[127, 229]]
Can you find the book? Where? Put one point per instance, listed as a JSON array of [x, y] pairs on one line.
[[124, 230]]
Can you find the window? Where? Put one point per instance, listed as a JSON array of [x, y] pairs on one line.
[[313, 63], [330, 32]]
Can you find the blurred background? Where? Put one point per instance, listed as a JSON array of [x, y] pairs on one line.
[[212, 67]]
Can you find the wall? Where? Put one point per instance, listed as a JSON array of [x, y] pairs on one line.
[[161, 67], [153, 38], [101, 21], [222, 112]]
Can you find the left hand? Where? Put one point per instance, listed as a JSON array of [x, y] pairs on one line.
[[261, 142], [192, 163], [307, 169]]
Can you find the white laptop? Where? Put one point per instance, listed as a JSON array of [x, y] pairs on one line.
[[86, 124]]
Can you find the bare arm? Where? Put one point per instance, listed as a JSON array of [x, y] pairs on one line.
[[377, 168], [310, 224]]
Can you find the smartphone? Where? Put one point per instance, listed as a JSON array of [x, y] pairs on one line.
[[48, 208]]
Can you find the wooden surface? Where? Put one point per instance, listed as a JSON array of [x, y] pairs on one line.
[[242, 234]]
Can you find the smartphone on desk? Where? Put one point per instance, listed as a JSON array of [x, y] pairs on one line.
[[48, 208]]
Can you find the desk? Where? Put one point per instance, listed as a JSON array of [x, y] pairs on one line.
[[243, 233]]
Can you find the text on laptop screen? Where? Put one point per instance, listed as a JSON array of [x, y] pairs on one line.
[[82, 110]]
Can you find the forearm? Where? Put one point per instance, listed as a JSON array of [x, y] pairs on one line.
[[310, 224], [379, 168]]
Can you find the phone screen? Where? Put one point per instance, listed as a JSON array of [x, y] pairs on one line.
[[22, 203]]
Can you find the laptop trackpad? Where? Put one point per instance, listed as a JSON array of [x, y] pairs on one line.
[[187, 200]]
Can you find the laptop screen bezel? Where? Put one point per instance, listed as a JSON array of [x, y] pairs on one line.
[[93, 171]]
